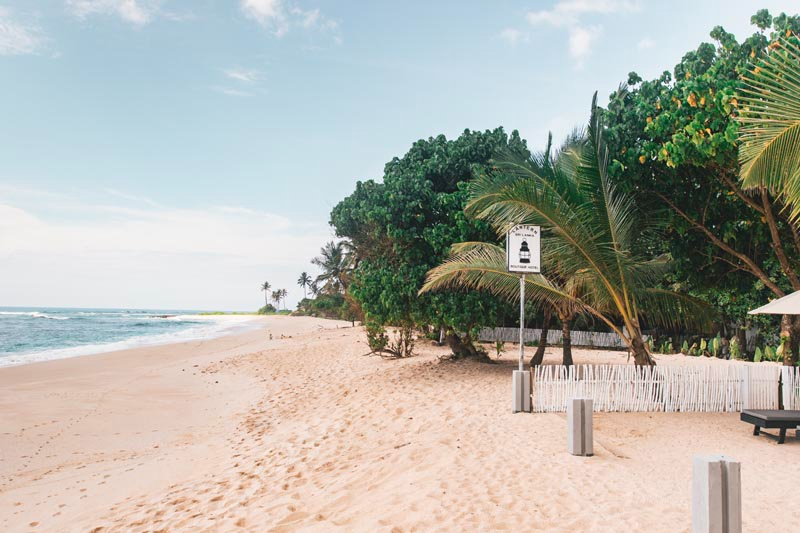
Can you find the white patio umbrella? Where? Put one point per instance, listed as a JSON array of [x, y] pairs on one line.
[[788, 305]]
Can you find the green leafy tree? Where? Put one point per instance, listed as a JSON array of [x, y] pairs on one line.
[[770, 148], [403, 226], [673, 142], [589, 229]]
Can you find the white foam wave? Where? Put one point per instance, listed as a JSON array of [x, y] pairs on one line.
[[34, 314], [210, 330]]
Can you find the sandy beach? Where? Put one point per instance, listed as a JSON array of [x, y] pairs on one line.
[[303, 432]]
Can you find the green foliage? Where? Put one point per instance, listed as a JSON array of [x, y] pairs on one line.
[[332, 306], [685, 348], [758, 355], [589, 228], [674, 141], [715, 345], [735, 348], [770, 119], [268, 309], [336, 263], [405, 225], [769, 353]]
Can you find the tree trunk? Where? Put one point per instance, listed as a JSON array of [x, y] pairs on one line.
[[790, 329], [538, 357], [640, 354], [464, 348], [741, 334], [566, 340]]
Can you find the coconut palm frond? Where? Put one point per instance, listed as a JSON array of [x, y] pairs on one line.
[[482, 266], [661, 307], [769, 116]]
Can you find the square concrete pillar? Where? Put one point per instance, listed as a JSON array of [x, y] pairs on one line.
[[579, 426], [521, 392], [716, 495]]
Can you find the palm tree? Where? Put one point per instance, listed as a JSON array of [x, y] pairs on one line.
[[276, 297], [769, 133], [304, 281], [266, 287], [482, 266], [589, 230], [284, 294], [769, 149], [336, 263]]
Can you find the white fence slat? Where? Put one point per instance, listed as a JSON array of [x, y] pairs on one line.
[[669, 388]]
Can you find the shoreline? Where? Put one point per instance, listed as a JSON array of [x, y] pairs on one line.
[[226, 324]]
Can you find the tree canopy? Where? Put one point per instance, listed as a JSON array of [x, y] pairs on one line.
[[403, 226]]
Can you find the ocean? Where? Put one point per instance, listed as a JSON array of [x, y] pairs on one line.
[[34, 334]]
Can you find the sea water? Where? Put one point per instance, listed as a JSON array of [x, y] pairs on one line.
[[35, 334]]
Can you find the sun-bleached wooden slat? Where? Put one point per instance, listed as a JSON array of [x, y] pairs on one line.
[[668, 388]]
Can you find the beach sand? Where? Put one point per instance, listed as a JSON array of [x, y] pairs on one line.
[[308, 434]]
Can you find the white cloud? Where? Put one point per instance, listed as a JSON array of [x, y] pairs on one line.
[[137, 12], [513, 36], [276, 17], [139, 253], [243, 75], [568, 14], [581, 40], [269, 13], [645, 44], [17, 38]]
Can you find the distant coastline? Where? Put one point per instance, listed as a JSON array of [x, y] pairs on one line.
[[29, 335]]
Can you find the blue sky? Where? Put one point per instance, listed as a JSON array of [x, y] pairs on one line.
[[175, 153]]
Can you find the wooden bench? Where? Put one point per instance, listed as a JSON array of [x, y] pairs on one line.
[[772, 419]]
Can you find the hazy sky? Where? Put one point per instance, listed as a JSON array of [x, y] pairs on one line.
[[177, 153]]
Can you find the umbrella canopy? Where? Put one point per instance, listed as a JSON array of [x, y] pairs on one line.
[[788, 305]]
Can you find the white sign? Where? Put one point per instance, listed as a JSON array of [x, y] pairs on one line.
[[523, 249]]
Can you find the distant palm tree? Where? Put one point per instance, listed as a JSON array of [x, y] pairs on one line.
[[304, 281], [336, 263], [284, 294], [266, 287], [276, 297]]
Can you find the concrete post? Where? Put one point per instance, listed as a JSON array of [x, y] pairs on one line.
[[716, 495], [579, 426], [521, 391]]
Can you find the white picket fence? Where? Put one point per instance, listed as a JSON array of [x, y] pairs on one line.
[[791, 387], [669, 388]]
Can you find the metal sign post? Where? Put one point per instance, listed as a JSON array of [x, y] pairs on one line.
[[521, 321], [523, 255]]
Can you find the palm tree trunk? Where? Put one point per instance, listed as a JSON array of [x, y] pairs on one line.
[[790, 328], [641, 357], [566, 339], [266, 303], [538, 357]]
